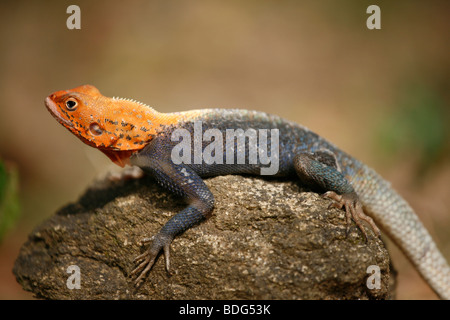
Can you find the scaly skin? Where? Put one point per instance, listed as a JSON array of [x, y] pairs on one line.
[[130, 132]]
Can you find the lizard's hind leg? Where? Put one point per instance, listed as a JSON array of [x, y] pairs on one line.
[[321, 169]]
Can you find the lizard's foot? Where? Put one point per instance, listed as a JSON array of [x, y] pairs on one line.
[[147, 259], [353, 209]]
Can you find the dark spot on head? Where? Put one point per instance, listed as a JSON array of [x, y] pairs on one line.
[[112, 122]]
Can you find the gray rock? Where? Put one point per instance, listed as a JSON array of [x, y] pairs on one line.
[[267, 239]]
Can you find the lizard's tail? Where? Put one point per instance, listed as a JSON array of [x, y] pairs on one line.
[[394, 215]]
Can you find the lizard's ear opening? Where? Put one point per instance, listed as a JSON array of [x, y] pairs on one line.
[[95, 129]]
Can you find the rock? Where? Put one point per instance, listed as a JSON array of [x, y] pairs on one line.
[[267, 239]]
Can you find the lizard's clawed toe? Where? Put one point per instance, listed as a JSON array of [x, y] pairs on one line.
[[146, 261]]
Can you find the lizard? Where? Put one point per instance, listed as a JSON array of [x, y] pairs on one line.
[[132, 133]]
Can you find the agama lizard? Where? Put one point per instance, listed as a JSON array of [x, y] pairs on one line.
[[130, 132]]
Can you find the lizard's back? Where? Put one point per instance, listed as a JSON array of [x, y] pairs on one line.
[[292, 139]]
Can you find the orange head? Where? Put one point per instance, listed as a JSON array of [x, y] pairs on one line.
[[118, 127]]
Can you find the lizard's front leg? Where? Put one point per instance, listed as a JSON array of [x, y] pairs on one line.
[[183, 181], [321, 169]]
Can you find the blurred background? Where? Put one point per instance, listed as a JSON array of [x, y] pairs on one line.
[[381, 95]]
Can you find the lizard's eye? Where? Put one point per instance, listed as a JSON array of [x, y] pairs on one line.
[[71, 104], [95, 129]]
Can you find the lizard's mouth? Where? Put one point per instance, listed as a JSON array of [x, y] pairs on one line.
[[52, 107]]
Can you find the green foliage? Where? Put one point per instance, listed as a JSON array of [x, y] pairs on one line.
[[420, 126], [9, 199]]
